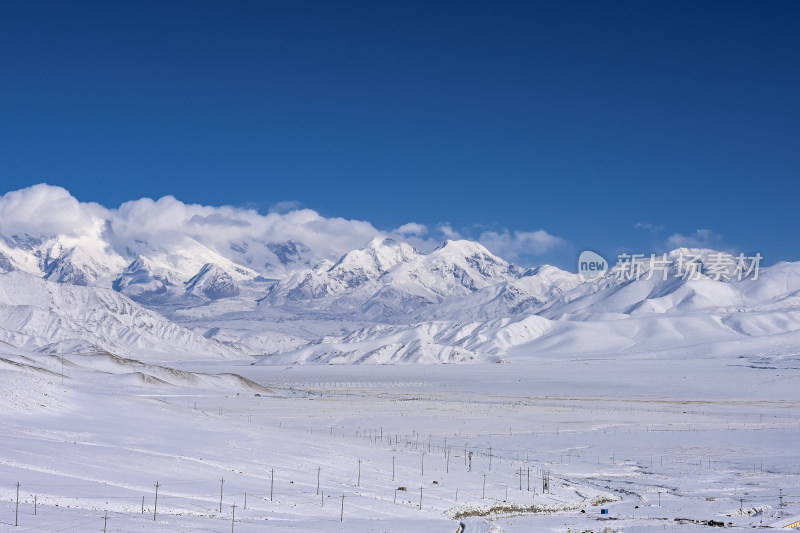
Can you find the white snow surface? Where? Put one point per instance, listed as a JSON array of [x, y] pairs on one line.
[[60, 317], [673, 441]]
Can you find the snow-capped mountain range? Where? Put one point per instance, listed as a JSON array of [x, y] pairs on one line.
[[205, 287]]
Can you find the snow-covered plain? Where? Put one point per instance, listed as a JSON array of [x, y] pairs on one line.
[[651, 437]]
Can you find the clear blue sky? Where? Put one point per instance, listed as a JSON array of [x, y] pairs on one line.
[[580, 118]]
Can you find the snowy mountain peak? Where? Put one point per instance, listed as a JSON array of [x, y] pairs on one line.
[[471, 262], [138, 281], [462, 247], [212, 282], [353, 270], [392, 280], [374, 260], [61, 270], [79, 264], [290, 251]]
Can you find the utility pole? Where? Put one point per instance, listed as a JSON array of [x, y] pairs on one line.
[[483, 495], [271, 483], [741, 506], [16, 511], [423, 464], [341, 515], [359, 474], [233, 517], [319, 469], [490, 458], [155, 508], [105, 522], [420, 498], [221, 484]]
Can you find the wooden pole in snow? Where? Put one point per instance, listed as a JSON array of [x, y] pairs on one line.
[[155, 507], [221, 484]]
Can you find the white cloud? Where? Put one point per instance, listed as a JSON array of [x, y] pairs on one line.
[[168, 226], [701, 238], [448, 231], [411, 228], [516, 244], [47, 210], [167, 221], [648, 226]]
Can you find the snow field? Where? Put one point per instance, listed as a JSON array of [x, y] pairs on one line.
[[647, 453]]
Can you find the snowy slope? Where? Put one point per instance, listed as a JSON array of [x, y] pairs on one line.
[[424, 343], [35, 313], [548, 311], [527, 294]]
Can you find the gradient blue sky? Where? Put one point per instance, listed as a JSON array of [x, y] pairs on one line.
[[613, 125]]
